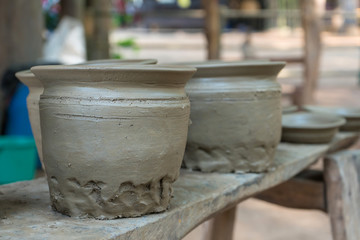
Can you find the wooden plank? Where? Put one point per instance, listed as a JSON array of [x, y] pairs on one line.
[[342, 176], [25, 211], [212, 27]]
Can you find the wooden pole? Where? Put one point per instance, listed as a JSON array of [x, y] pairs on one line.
[[21, 26], [73, 8], [311, 22], [97, 25], [212, 28]]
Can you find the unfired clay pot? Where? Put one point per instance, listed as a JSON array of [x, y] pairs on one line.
[[32, 101], [235, 115], [36, 89], [113, 137]]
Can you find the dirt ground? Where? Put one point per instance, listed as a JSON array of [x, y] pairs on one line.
[[338, 85]]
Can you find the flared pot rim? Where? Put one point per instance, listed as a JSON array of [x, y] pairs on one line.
[[150, 74], [235, 68], [120, 61]]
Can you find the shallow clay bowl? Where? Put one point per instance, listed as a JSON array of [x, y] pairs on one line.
[[289, 109], [310, 127], [352, 115]]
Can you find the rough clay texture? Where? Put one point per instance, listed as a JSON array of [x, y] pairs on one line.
[[36, 89], [236, 117], [113, 137], [32, 101]]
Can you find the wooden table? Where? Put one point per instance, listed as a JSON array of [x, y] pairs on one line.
[[25, 211]]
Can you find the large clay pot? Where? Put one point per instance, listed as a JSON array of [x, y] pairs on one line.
[[36, 89], [32, 102], [113, 137], [235, 115]]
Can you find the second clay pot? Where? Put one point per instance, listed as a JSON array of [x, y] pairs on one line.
[[235, 115]]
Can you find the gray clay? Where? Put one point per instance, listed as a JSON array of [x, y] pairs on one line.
[[36, 89], [32, 102], [113, 137], [235, 115]]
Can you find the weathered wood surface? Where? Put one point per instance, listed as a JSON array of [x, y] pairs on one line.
[[342, 176], [25, 212]]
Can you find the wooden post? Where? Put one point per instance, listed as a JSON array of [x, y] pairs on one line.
[[311, 21], [73, 8], [21, 26], [342, 177], [222, 225], [212, 27], [97, 25]]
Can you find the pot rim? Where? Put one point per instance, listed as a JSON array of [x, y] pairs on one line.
[[235, 68], [28, 78], [120, 61], [120, 68], [24, 73], [221, 64], [130, 74]]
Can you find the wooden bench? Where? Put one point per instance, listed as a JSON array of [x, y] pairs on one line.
[[25, 211]]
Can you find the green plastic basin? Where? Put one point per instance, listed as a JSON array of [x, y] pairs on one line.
[[17, 158]]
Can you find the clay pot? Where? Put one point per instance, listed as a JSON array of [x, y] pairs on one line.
[[36, 89], [113, 137], [32, 101], [236, 116]]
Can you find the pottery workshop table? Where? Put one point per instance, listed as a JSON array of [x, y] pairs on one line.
[[25, 211]]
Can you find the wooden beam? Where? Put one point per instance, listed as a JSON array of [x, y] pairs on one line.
[[212, 28]]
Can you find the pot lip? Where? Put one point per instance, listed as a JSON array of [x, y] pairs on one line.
[[116, 68], [25, 74], [28, 78], [224, 64], [120, 61], [213, 69], [311, 121]]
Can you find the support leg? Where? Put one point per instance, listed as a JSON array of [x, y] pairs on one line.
[[342, 177], [222, 226]]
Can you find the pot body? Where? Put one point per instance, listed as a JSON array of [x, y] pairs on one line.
[[32, 102], [236, 118], [113, 139]]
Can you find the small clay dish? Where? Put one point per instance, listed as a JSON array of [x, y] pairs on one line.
[[310, 127], [352, 115], [289, 109]]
